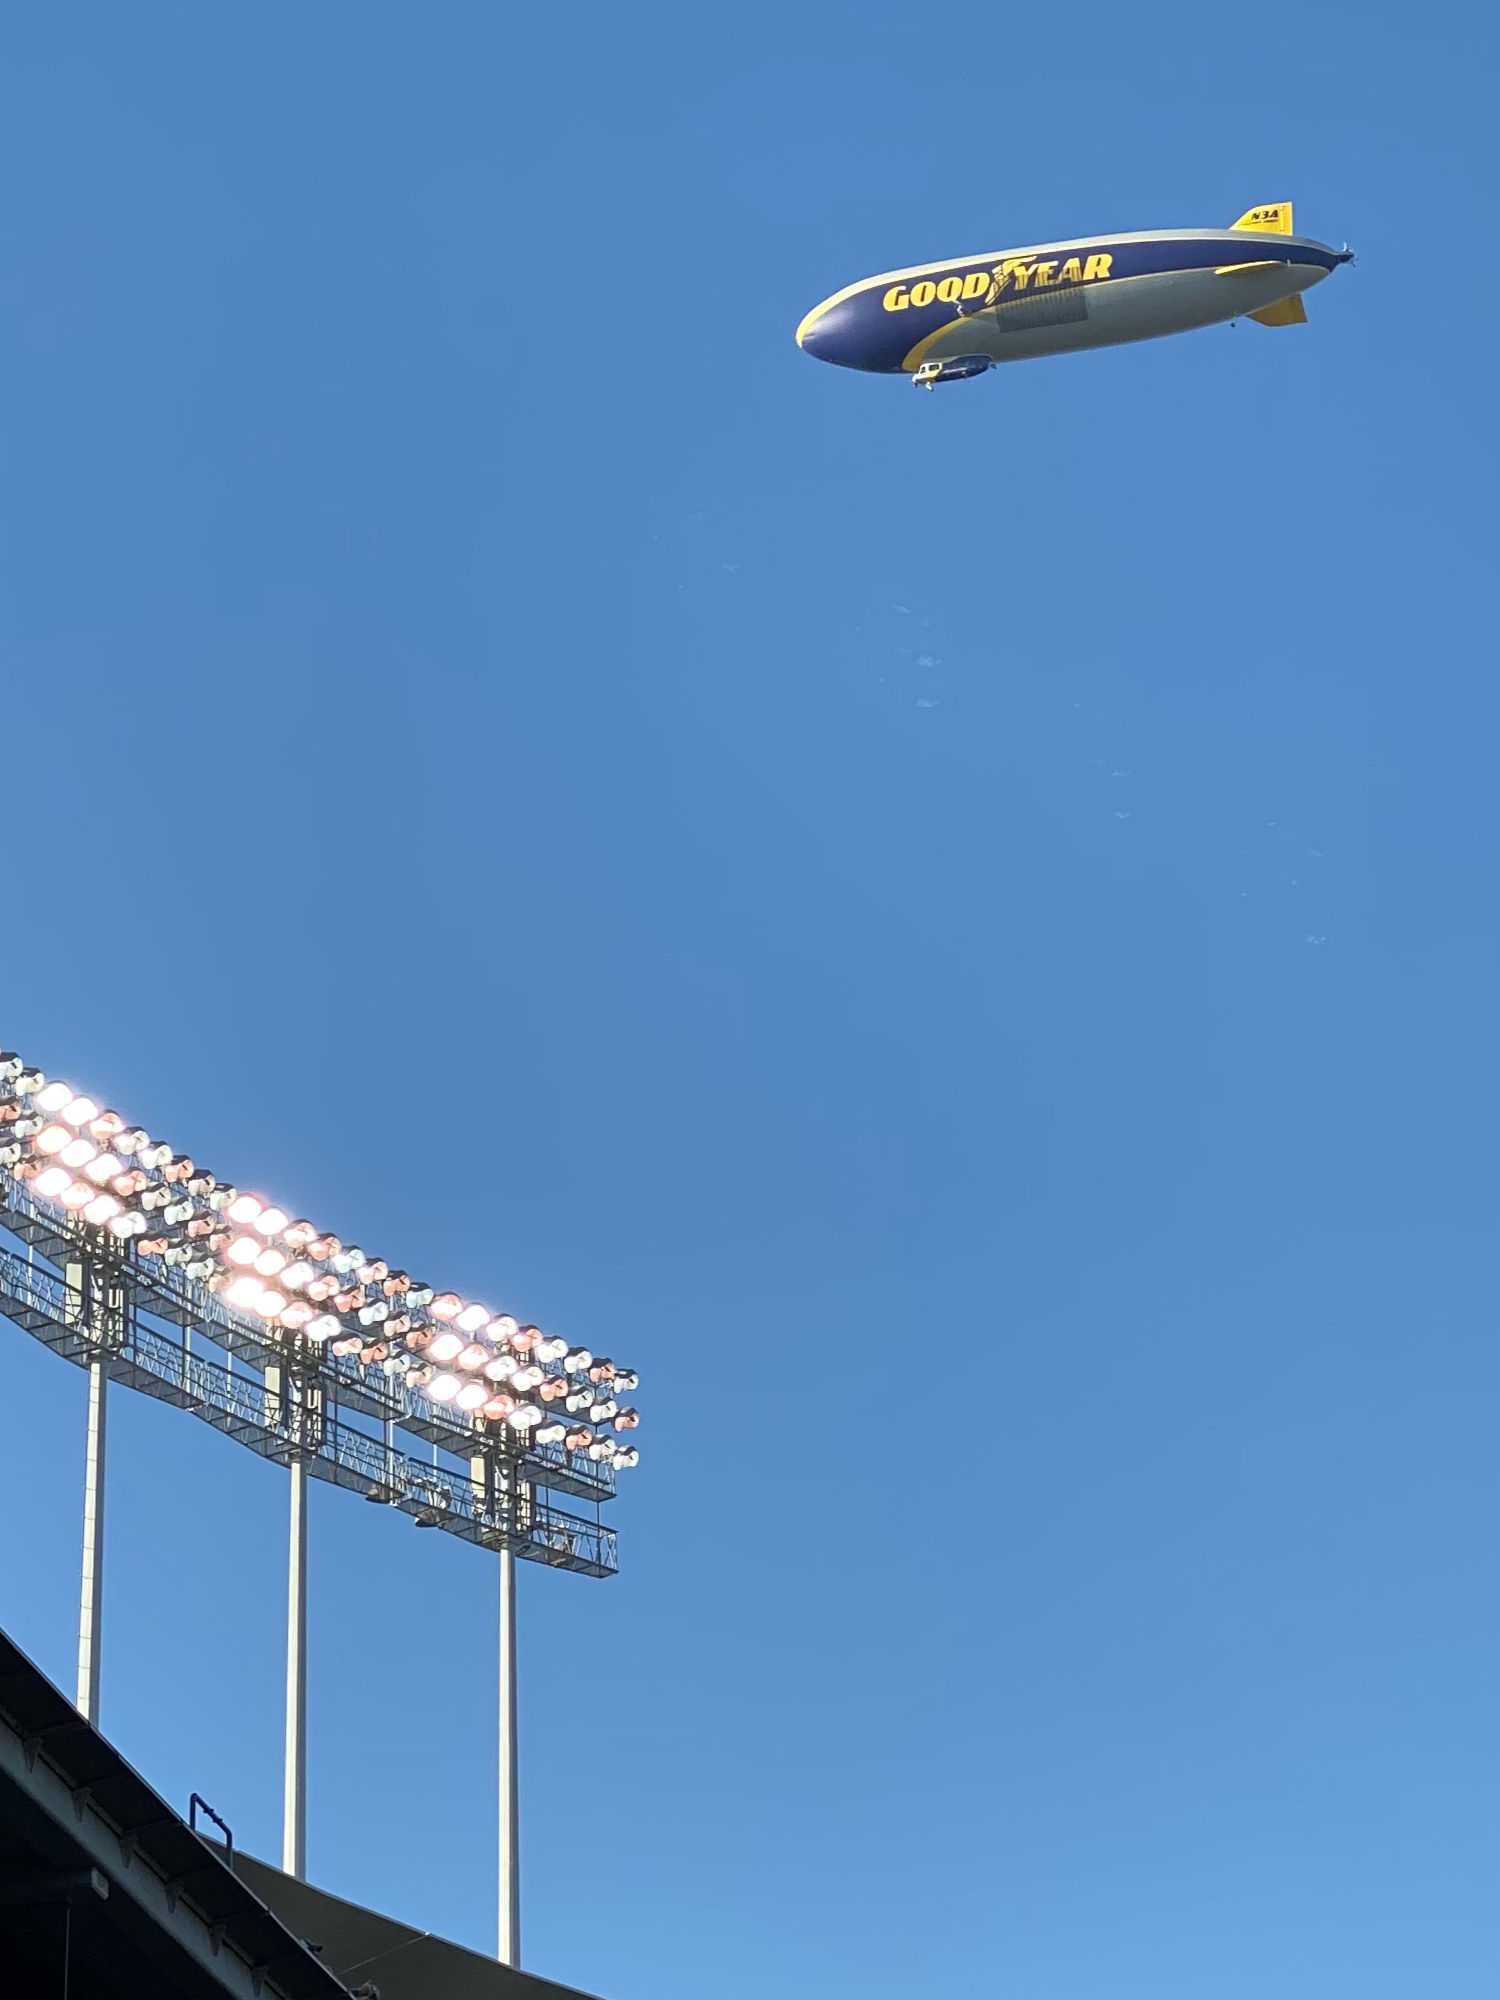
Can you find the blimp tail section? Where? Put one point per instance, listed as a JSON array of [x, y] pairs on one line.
[[1272, 218], [1285, 312]]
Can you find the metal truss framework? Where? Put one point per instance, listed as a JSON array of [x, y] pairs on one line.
[[84, 1303]]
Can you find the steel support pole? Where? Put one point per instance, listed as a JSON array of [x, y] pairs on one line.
[[510, 1802], [294, 1808], [91, 1602]]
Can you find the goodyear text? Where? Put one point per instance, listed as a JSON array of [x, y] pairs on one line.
[[1015, 274]]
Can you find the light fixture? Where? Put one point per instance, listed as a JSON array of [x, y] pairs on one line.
[[204, 1238]]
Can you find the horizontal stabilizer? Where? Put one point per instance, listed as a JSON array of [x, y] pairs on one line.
[[1285, 312], [1272, 218]]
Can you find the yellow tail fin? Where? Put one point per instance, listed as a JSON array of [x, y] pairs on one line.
[[1285, 312], [1272, 218]]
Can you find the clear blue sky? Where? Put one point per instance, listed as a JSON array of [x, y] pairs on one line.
[[956, 933]]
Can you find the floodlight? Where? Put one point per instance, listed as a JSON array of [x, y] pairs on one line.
[[53, 1096], [553, 1388], [324, 1327], [626, 1379], [445, 1346], [577, 1438], [296, 1275], [447, 1305], [472, 1318], [268, 1222], [501, 1368], [11, 1065], [52, 1139], [528, 1376], [471, 1357], [103, 1168], [600, 1413], [551, 1433], [245, 1292], [297, 1314], [443, 1388], [577, 1359], [243, 1251], [300, 1235], [101, 1208], [244, 1208], [499, 1406], [525, 1338], [471, 1396], [525, 1417], [51, 1182], [504, 1328], [626, 1420], [625, 1457], [78, 1111]]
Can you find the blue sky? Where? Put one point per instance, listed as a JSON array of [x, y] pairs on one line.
[[955, 933]]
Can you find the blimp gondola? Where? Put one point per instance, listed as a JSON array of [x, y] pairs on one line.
[[951, 322]]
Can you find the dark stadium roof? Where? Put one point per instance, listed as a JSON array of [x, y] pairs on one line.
[[97, 1868]]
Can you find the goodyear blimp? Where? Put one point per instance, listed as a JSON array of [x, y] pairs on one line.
[[949, 322]]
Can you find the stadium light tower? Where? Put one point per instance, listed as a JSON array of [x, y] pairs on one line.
[[333, 1363]]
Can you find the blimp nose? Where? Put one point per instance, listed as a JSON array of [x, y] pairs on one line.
[[823, 335]]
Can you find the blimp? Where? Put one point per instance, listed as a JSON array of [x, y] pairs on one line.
[[953, 321]]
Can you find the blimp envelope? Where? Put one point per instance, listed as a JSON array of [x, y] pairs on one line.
[[954, 320]]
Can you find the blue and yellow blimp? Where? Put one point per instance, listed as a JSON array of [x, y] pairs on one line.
[[949, 322]]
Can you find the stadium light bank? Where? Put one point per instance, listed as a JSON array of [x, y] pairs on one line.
[[313, 1353]]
